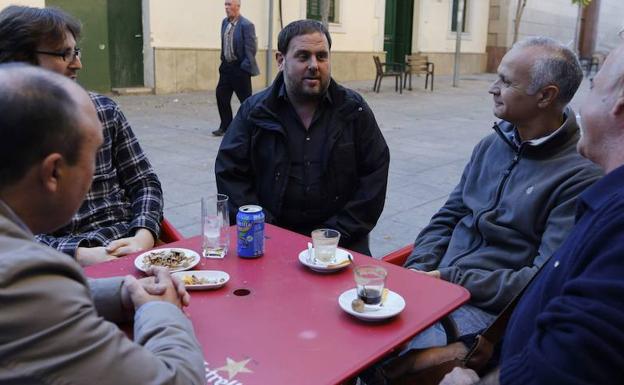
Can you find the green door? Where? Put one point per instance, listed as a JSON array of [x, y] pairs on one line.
[[398, 29], [95, 73], [125, 38]]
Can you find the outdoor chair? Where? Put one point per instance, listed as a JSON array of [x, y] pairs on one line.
[[388, 69], [398, 257], [589, 64], [168, 233], [592, 63], [418, 65]]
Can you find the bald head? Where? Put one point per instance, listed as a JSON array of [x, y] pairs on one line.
[[602, 115], [38, 116]]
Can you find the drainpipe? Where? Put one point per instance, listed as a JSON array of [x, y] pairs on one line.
[[269, 54], [458, 33]]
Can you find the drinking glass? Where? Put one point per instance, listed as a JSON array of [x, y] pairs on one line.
[[370, 282], [215, 222], [325, 242]]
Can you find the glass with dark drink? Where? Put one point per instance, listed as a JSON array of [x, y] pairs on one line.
[[370, 282]]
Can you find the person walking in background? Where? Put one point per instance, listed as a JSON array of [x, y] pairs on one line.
[[238, 62]]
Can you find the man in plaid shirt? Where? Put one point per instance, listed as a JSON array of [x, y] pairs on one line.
[[122, 211]]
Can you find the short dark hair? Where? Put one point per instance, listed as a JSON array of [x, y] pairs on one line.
[[298, 28], [37, 118], [557, 64], [23, 29]]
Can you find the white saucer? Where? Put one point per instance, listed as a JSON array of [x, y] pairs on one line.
[[215, 278], [192, 262], [393, 305], [342, 257]]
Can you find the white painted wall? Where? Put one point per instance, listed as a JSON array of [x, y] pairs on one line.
[[29, 3], [197, 23], [552, 18], [432, 26], [610, 22]]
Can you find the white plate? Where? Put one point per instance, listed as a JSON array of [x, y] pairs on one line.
[[215, 278], [138, 262], [342, 256], [393, 305]]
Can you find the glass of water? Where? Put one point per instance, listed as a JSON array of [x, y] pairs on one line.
[[325, 242], [215, 222]]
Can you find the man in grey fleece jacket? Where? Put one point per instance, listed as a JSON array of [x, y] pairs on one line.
[[515, 201]]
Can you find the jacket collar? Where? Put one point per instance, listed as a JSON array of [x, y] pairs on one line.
[[265, 113], [6, 213], [603, 190], [569, 130]]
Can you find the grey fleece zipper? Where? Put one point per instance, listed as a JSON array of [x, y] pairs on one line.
[[499, 193]]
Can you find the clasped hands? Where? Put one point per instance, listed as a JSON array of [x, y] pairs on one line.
[[158, 286]]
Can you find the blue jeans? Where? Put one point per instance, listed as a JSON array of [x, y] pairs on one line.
[[468, 319]]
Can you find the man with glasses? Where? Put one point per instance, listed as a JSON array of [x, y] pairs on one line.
[[122, 212]]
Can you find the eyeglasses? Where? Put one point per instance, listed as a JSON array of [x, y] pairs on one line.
[[69, 56]]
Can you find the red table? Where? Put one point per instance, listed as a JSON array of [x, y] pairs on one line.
[[289, 329]]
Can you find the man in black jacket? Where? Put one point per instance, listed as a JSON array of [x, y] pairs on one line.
[[306, 149]]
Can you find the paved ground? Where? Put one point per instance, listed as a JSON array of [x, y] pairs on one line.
[[430, 136]]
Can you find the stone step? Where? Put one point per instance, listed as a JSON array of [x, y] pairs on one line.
[[133, 91]]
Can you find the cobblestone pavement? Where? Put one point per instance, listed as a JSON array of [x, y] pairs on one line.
[[430, 135]]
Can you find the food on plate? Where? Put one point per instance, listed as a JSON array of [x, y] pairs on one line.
[[172, 259], [357, 305], [195, 280]]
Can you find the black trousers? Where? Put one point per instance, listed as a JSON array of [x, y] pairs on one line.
[[231, 79]]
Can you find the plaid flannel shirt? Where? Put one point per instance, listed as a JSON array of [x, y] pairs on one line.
[[125, 194]]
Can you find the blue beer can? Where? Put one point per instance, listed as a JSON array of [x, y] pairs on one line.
[[250, 226]]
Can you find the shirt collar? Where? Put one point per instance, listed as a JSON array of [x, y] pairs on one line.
[[600, 192], [515, 136], [14, 218]]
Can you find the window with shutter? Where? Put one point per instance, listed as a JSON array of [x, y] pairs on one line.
[[314, 10], [454, 15]]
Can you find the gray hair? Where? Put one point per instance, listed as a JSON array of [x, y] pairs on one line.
[[556, 65]]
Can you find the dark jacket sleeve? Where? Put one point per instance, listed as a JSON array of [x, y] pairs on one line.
[[577, 338], [359, 215], [249, 64], [433, 240], [233, 172]]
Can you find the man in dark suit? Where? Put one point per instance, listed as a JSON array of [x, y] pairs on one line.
[[238, 62]]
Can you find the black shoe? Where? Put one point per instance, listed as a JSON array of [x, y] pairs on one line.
[[218, 132]]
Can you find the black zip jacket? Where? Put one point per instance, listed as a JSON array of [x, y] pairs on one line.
[[252, 166]]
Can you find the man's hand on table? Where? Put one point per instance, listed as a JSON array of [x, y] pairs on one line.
[[91, 255], [432, 273], [142, 240], [159, 286]]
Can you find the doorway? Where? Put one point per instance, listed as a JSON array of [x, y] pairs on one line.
[[398, 29], [111, 42]]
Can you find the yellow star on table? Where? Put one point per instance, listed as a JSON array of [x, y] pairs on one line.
[[233, 367]]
